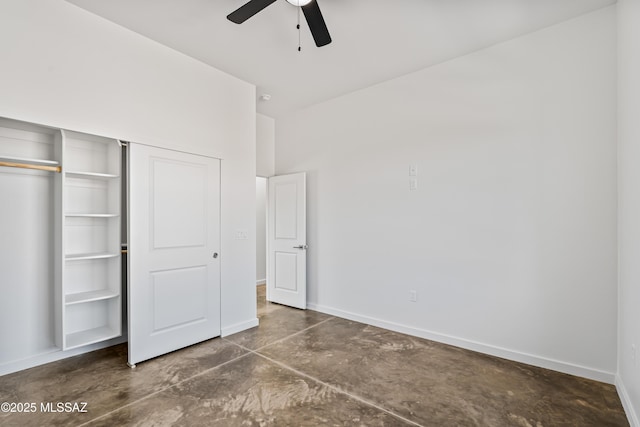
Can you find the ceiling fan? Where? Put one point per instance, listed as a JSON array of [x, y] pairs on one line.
[[310, 9]]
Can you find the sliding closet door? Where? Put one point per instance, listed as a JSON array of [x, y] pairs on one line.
[[174, 241]]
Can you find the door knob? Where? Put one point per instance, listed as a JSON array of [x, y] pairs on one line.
[[301, 247], [215, 254]]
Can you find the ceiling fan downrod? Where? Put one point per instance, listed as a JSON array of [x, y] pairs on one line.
[[298, 27]]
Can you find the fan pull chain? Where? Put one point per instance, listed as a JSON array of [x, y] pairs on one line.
[[298, 27]]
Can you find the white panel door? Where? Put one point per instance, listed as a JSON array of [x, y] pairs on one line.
[[174, 240], [287, 240]]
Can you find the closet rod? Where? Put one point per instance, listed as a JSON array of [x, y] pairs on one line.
[[29, 166]]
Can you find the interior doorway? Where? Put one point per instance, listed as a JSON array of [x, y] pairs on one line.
[[261, 237]]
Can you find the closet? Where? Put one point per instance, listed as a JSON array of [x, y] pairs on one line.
[[61, 262], [60, 256]]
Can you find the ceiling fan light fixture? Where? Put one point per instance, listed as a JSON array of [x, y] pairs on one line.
[[299, 2]]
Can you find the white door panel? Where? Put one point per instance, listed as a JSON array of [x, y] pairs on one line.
[[286, 271], [287, 235], [179, 216], [188, 285], [286, 210], [174, 279]]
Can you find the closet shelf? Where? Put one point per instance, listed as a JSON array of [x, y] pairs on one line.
[[91, 215], [32, 164], [100, 255], [90, 336], [90, 296], [91, 175], [29, 160]]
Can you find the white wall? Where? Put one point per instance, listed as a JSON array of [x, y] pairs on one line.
[[265, 146], [265, 167], [261, 230], [629, 205], [64, 67], [510, 238]]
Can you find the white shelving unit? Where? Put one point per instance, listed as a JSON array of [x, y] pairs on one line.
[[90, 240]]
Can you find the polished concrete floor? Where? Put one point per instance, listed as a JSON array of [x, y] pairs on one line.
[[303, 368]]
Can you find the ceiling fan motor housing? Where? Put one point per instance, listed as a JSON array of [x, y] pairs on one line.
[[299, 2]]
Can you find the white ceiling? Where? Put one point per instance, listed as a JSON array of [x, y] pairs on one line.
[[373, 40]]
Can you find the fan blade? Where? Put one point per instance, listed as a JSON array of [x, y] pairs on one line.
[[247, 10], [316, 23]]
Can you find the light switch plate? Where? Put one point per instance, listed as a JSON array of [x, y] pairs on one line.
[[413, 170], [413, 296]]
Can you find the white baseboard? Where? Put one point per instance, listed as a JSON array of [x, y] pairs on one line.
[[632, 416], [54, 355], [529, 359], [239, 327], [261, 282]]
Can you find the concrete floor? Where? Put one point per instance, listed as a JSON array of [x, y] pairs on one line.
[[303, 368]]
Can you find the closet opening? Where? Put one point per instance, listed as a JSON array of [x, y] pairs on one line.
[[261, 241]]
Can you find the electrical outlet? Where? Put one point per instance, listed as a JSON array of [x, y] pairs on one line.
[[413, 184], [413, 296], [413, 170], [242, 234]]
